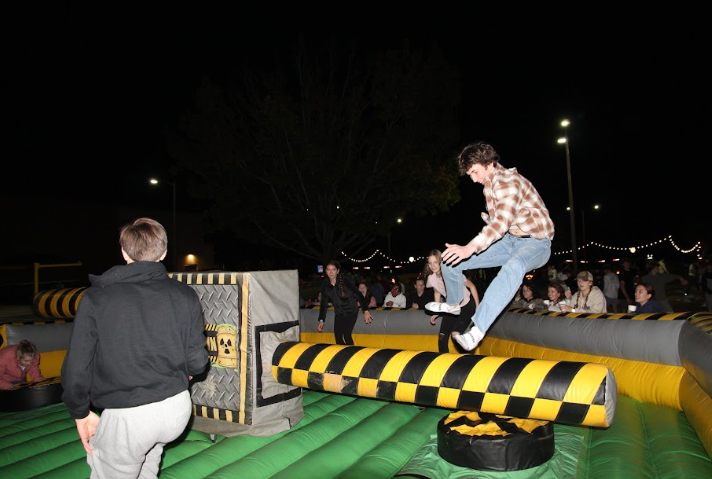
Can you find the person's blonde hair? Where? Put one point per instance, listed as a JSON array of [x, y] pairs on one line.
[[144, 240], [26, 348]]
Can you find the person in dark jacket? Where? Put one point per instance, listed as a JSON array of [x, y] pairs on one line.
[[137, 341], [645, 299], [340, 291], [421, 296]]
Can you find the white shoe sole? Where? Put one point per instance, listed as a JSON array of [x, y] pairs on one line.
[[469, 340], [434, 307]]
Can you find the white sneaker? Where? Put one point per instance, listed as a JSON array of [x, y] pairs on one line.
[[435, 307], [470, 339]]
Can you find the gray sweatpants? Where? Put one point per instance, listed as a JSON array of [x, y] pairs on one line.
[[129, 441]]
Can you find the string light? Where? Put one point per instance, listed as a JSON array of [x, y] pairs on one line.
[[697, 248], [378, 252], [632, 249]]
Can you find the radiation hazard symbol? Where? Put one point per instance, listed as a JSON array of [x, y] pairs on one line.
[[226, 342]]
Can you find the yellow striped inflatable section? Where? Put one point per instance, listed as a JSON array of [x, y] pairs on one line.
[[561, 391], [58, 303]]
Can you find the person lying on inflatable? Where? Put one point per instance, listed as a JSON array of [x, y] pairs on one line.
[[17, 362]]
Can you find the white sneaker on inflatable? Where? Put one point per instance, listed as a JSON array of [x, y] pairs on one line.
[[470, 339]]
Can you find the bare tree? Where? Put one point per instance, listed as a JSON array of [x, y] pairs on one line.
[[322, 156]]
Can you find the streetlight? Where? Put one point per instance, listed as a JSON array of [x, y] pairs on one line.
[[173, 248], [583, 225], [565, 141]]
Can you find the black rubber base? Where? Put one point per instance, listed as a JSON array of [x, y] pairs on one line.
[[489, 442], [33, 395]]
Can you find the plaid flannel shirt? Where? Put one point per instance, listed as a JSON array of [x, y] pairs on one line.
[[512, 203]]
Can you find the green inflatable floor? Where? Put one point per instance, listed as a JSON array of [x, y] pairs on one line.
[[352, 437]]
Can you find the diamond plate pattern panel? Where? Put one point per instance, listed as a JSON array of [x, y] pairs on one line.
[[221, 388], [221, 303]]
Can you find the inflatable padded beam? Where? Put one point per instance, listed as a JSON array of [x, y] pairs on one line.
[[58, 303], [566, 392]]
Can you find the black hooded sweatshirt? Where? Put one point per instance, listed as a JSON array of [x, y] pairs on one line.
[[137, 336]]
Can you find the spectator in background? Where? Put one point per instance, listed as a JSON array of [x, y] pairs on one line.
[[662, 267], [421, 296], [693, 274], [377, 289], [314, 302], [626, 279], [566, 278], [551, 273], [17, 362], [528, 297], [706, 284], [659, 281], [588, 298], [385, 282], [395, 280], [394, 299], [611, 288], [644, 302], [564, 274], [449, 323], [556, 294], [363, 289]]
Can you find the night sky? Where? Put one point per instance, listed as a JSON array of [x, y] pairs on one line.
[[86, 95]]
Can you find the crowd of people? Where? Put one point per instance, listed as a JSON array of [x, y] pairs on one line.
[[616, 287], [135, 399], [609, 288], [516, 240]]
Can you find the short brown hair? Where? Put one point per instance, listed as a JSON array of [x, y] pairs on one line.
[[479, 152], [144, 240]]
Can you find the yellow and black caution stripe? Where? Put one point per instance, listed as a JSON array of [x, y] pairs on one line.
[[215, 413], [561, 391], [702, 320], [211, 342], [630, 316], [58, 303], [207, 278]]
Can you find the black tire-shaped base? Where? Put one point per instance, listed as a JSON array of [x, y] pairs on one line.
[[32, 395], [489, 442]]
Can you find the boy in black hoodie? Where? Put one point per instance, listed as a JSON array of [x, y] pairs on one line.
[[138, 339]]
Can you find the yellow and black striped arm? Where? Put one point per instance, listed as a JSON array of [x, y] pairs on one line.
[[566, 392]]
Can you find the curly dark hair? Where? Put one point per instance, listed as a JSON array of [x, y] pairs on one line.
[[479, 152]]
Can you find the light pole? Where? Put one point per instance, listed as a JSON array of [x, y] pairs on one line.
[[572, 216], [583, 225], [174, 240]]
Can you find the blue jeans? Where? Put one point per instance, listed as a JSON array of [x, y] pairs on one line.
[[515, 255]]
